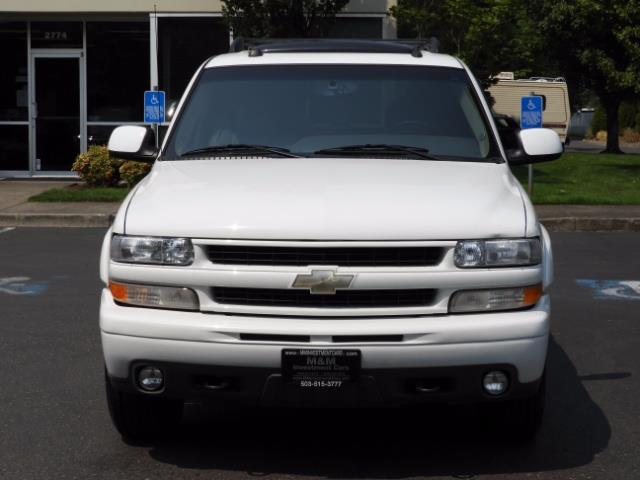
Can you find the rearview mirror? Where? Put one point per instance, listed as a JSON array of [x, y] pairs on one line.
[[133, 142], [536, 145]]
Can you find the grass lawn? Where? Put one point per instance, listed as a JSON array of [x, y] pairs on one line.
[[586, 178], [100, 194]]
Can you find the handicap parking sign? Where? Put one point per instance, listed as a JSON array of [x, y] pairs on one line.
[[154, 107], [531, 112]]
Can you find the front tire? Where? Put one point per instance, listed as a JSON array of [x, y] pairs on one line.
[[139, 417]]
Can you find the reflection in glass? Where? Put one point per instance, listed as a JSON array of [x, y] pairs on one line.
[[57, 83], [14, 147], [13, 73], [184, 43], [117, 70]]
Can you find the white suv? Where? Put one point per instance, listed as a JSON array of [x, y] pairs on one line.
[[327, 223]]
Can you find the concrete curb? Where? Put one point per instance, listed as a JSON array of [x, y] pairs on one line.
[[586, 224], [78, 220], [104, 220]]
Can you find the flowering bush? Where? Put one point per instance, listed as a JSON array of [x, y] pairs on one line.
[[132, 172], [96, 168], [601, 135], [630, 135]]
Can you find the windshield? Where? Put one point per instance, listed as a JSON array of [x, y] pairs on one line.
[[310, 108]]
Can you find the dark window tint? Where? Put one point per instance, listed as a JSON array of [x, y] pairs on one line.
[[57, 89], [14, 147], [356, 27], [13, 73], [306, 108], [56, 34], [99, 134], [184, 44], [117, 70]]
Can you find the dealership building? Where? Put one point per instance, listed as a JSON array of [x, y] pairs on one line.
[[73, 70]]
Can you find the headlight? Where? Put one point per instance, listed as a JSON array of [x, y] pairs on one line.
[[494, 299], [151, 250], [497, 253], [155, 296]]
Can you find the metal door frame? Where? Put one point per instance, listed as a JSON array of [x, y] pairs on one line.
[[55, 53]]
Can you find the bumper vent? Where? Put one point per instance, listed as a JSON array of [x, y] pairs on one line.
[[342, 299], [341, 256]]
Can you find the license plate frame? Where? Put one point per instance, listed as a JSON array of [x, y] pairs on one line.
[[320, 368]]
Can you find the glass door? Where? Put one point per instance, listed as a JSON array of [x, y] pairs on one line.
[[56, 111]]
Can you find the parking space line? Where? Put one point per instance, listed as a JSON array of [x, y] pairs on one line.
[[6, 229]]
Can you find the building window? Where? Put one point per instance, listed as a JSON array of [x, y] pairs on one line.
[[184, 43], [357, 27], [117, 70], [56, 34], [14, 97], [14, 147], [13, 74]]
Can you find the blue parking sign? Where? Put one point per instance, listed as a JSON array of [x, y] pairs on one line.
[[531, 112], [154, 107]]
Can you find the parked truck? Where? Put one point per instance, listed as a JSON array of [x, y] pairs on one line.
[[327, 223]]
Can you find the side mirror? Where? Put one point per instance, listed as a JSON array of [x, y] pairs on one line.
[[133, 142], [536, 145]]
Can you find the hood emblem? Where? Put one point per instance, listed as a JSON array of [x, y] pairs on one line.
[[324, 282]]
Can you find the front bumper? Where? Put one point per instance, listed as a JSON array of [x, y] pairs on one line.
[[455, 350], [374, 387]]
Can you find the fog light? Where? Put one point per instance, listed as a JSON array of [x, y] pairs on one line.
[[150, 379], [495, 383]]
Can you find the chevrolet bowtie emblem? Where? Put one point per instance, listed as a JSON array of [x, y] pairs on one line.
[[322, 281]]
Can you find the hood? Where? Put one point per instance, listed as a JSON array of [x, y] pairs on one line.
[[327, 199]]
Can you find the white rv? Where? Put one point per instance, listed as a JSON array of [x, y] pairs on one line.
[[556, 113]]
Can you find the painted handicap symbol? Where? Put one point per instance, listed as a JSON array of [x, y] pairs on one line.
[[21, 286], [612, 289]]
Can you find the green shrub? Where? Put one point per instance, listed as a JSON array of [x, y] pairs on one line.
[[599, 120], [96, 168], [627, 115], [132, 172]]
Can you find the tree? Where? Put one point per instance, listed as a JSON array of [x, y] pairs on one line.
[[598, 41], [281, 18], [489, 35]]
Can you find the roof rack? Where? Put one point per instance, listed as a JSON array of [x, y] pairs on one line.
[[259, 46]]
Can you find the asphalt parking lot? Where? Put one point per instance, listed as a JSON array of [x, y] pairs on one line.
[[54, 421]]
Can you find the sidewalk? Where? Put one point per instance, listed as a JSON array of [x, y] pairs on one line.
[[589, 218], [16, 211]]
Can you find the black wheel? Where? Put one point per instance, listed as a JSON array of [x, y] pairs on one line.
[[139, 417], [519, 420]]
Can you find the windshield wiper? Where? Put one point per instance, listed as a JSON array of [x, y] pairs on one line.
[[240, 149], [369, 148]]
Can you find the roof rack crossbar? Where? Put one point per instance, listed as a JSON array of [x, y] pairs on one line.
[[258, 47]]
